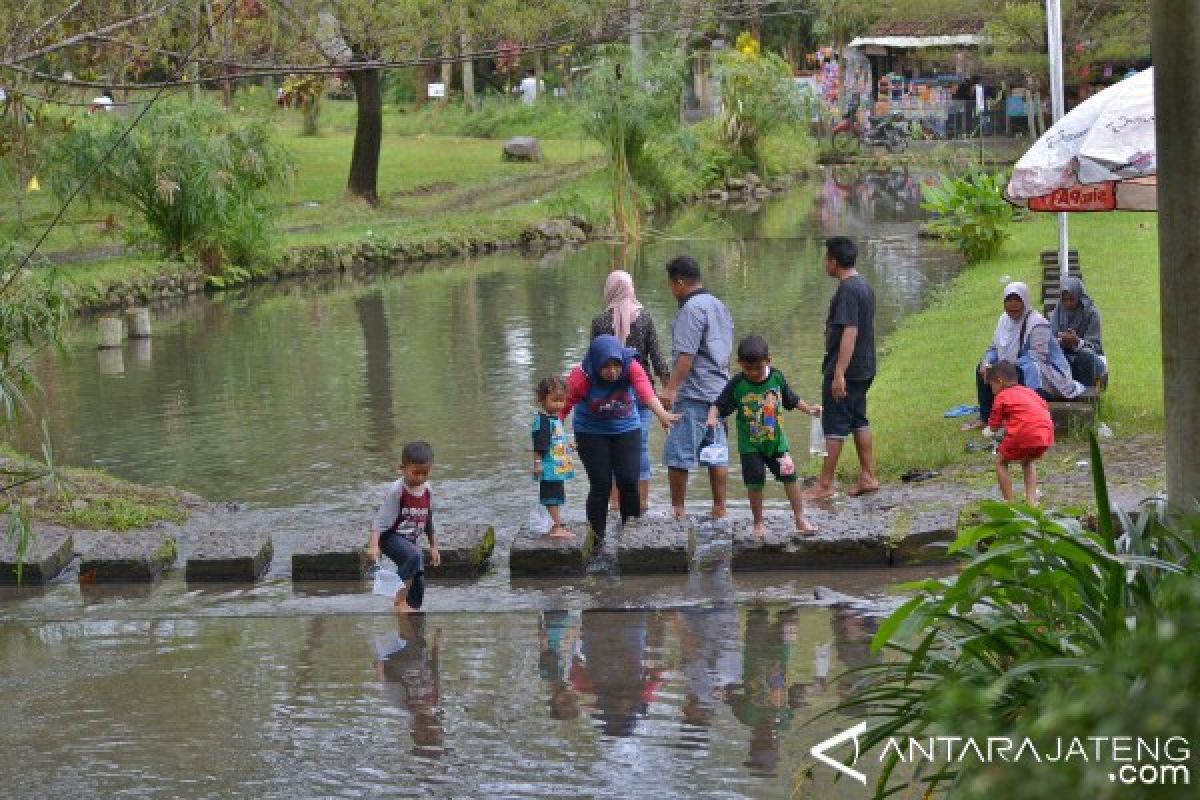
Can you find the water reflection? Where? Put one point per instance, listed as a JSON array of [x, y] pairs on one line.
[[377, 369], [408, 667], [680, 703]]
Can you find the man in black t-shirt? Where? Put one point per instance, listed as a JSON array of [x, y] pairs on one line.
[[848, 369]]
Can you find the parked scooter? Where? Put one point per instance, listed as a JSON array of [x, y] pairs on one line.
[[887, 131]]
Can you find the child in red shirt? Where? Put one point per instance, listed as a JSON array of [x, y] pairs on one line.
[[1029, 430]]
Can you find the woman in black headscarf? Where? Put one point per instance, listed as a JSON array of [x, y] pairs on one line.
[[1076, 324]]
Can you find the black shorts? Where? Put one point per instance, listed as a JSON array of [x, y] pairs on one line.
[[552, 493], [840, 418], [755, 466]]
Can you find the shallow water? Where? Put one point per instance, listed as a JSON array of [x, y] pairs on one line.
[[640, 703]]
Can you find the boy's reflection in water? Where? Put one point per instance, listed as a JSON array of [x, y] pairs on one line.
[[761, 700], [558, 632], [408, 668]]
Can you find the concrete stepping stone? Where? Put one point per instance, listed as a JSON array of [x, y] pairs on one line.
[[50, 550], [784, 548], [927, 538], [466, 551], [649, 546], [229, 556], [126, 557], [537, 556], [330, 555]]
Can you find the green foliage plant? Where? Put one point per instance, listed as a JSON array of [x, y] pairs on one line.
[[201, 184], [1042, 602], [757, 97], [971, 212]]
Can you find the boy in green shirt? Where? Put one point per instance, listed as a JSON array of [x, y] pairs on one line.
[[759, 394]]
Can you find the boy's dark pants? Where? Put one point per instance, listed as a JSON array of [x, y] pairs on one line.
[[409, 565]]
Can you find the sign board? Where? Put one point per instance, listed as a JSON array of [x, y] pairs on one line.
[[1092, 197], [435, 90]]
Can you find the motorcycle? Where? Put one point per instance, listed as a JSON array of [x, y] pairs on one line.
[[888, 131]]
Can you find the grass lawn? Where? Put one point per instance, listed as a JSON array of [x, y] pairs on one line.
[[421, 177], [926, 365]]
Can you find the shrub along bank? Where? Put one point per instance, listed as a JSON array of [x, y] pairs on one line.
[[926, 365]]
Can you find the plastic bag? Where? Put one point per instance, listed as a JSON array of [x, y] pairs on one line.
[[540, 522], [387, 583], [816, 439], [714, 455]]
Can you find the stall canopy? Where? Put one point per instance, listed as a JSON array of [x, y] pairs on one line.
[[911, 42]]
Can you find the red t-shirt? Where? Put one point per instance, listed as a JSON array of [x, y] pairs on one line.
[[1024, 414]]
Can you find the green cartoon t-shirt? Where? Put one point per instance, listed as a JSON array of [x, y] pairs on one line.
[[758, 408]]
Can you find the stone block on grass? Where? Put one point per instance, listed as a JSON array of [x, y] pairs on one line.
[[130, 557], [229, 556], [330, 555], [539, 556], [466, 551], [653, 546], [927, 538], [48, 553]]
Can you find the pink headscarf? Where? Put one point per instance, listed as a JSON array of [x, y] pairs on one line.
[[620, 297]]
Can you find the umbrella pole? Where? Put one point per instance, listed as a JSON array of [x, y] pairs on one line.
[[1057, 108]]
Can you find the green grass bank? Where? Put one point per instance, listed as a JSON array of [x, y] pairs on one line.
[[926, 365]]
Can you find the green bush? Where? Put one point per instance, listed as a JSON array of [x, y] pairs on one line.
[[1043, 604], [758, 97], [200, 183], [972, 213]]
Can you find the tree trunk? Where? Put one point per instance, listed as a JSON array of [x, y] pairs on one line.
[[468, 73], [1176, 33], [637, 53], [368, 135]]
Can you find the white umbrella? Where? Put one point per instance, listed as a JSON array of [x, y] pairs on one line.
[[1099, 157]]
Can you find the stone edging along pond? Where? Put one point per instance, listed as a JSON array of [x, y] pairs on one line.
[[179, 279]]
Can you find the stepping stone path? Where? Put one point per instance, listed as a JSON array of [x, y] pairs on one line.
[[126, 557], [50, 550], [330, 555], [926, 540], [466, 551], [650, 546], [784, 548], [539, 556], [229, 556]]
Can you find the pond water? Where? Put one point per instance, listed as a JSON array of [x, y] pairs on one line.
[[294, 400], [301, 395]]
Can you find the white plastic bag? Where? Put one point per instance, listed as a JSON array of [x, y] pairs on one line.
[[540, 522], [714, 455], [816, 439], [387, 582]]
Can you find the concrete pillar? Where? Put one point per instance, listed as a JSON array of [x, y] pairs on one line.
[[111, 333], [1176, 46], [139, 323]]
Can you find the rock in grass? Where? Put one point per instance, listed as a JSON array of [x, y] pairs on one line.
[[127, 557], [535, 556], [227, 556], [339, 554], [50, 549], [466, 551], [523, 148]]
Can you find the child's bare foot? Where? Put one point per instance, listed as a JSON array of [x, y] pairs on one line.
[[560, 532], [760, 530], [680, 512], [804, 526], [718, 512]]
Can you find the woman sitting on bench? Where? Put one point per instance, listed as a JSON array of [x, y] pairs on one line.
[[1076, 324], [1023, 337]]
